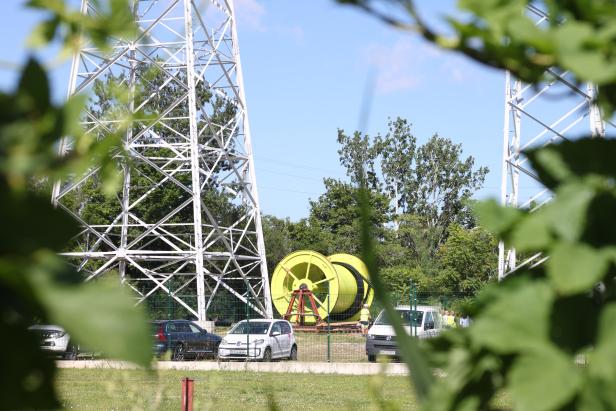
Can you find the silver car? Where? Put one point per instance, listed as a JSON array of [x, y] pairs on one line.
[[54, 340], [261, 340]]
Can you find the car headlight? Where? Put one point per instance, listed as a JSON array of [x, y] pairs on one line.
[[259, 341], [224, 341], [56, 334], [371, 336]]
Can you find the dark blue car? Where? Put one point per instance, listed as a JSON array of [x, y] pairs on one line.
[[183, 339]]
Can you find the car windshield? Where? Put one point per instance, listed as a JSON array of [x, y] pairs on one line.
[[257, 327], [408, 317]]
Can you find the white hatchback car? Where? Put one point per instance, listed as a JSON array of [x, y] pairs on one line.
[[260, 339]]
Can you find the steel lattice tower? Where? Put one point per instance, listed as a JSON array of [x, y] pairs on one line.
[[186, 222], [556, 110]]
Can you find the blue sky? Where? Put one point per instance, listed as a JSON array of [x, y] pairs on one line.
[[306, 65]]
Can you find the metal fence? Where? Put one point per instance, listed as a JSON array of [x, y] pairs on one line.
[[324, 331]]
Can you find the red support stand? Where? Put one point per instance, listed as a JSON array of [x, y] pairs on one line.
[[187, 394], [298, 297]]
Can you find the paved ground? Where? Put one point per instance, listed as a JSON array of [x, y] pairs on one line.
[[281, 366]]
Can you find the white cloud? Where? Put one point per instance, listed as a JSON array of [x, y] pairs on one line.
[[407, 64], [250, 14], [394, 66]]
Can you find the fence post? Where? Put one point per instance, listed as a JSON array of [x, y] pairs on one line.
[[415, 302], [247, 326], [329, 347], [412, 309], [169, 302], [187, 394]]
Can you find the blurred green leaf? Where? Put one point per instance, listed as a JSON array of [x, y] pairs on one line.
[[558, 162], [574, 322], [33, 223], [26, 375], [532, 233], [496, 218], [578, 50], [603, 358], [34, 85], [70, 115], [43, 33], [568, 212], [574, 268], [558, 384], [597, 395], [517, 320], [100, 314]]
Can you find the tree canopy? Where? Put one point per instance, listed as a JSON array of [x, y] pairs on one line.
[[421, 218]]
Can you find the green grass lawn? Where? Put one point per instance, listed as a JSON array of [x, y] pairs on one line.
[[344, 347], [100, 389]]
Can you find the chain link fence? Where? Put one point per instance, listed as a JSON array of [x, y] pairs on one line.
[[323, 331]]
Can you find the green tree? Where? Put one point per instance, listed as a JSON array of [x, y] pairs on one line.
[[337, 213], [466, 260], [358, 154], [432, 181], [307, 234], [398, 150], [441, 183], [278, 242]]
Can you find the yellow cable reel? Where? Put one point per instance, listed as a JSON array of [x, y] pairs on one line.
[[343, 275]]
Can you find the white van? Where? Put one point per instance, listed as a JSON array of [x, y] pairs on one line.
[[425, 322]]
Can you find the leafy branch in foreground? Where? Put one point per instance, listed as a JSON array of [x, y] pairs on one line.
[[531, 330], [577, 36], [36, 284]]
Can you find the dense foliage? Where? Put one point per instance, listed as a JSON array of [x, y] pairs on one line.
[[421, 216]]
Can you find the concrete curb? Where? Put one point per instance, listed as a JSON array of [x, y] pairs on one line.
[[280, 367]]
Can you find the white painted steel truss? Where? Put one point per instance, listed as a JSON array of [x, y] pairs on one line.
[[556, 110], [187, 221]]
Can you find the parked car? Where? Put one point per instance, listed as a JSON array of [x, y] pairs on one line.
[[183, 339], [381, 339], [259, 340], [54, 340]]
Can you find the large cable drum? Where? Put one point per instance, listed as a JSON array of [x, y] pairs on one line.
[[345, 265], [344, 276]]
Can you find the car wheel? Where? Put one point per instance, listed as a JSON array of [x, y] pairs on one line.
[[371, 358], [293, 354], [178, 353], [71, 352], [267, 355]]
